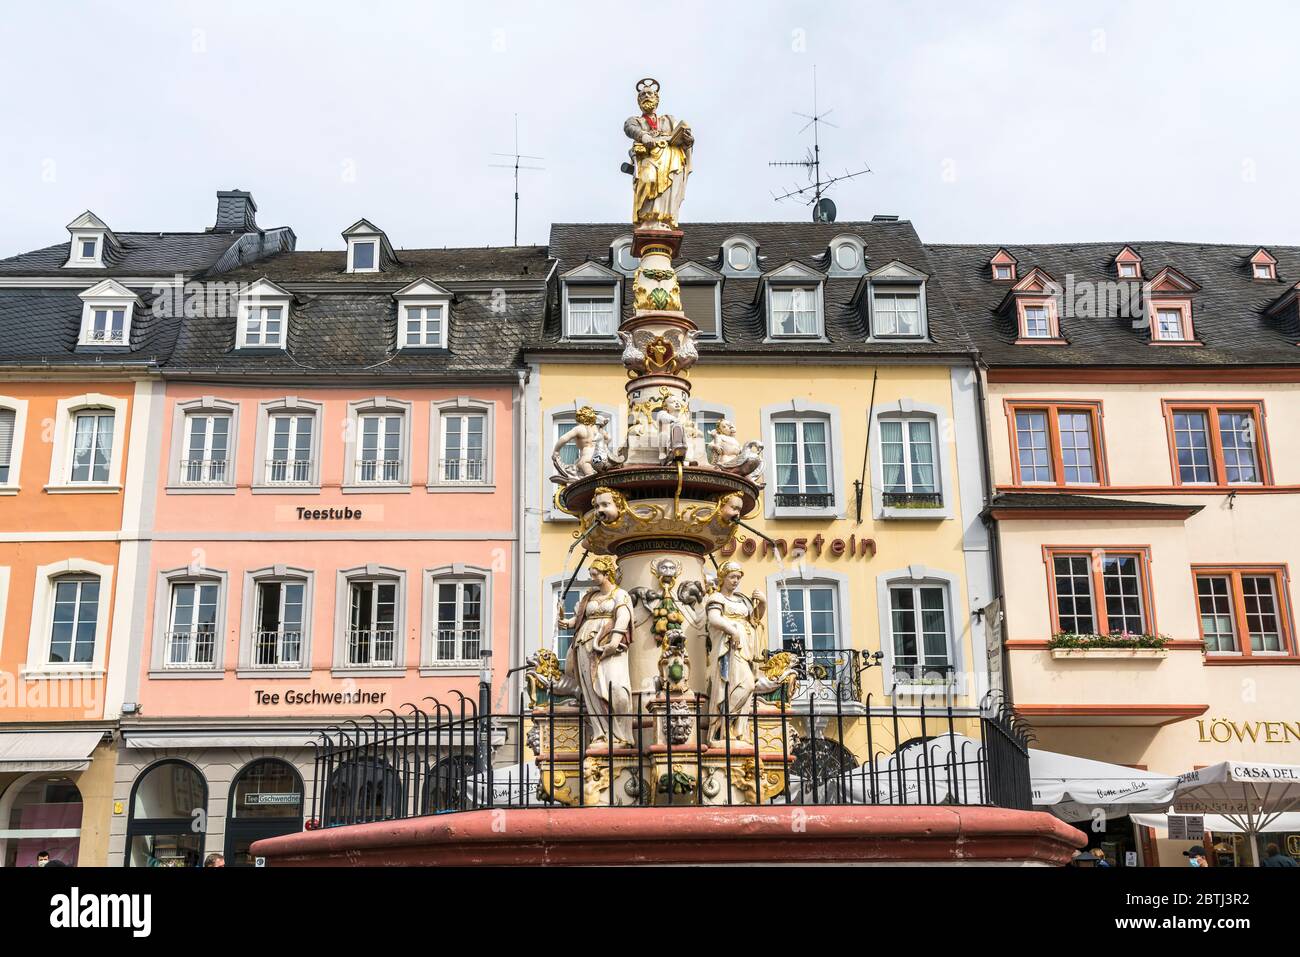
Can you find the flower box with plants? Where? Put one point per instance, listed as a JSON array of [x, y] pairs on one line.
[[1123, 644]]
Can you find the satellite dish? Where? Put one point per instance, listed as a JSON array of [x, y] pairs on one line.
[[824, 211]]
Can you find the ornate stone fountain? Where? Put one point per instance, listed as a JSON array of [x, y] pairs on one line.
[[662, 693]]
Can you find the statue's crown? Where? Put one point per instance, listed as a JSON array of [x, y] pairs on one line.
[[647, 85]]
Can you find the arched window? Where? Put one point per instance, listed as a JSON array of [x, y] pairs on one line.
[[44, 815], [168, 817], [447, 785], [265, 801]]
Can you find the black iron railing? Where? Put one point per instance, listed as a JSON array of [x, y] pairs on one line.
[[827, 671], [804, 499], [450, 758]]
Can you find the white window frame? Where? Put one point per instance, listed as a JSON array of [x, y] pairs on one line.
[[181, 411], [808, 576], [814, 289], [263, 294], [430, 663], [895, 291], [437, 342], [461, 405], [345, 579], [374, 243], [352, 445], [859, 265], [12, 485], [944, 435], [260, 312], [591, 292], [920, 576], [107, 296], [194, 574], [1159, 328], [79, 258], [249, 619], [41, 633], [61, 458], [802, 409], [290, 405]]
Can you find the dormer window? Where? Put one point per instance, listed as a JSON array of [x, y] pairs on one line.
[[1003, 265], [591, 297], [107, 309], [740, 256], [1168, 307], [368, 248], [702, 297], [1034, 304], [88, 242], [1263, 266], [897, 302], [794, 302], [423, 308], [620, 255], [264, 317], [363, 256], [1128, 264], [847, 256], [1173, 322]]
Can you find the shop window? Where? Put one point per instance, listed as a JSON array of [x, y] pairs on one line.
[[361, 790], [45, 816], [166, 826], [266, 800]]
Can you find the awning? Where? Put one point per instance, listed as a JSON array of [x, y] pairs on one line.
[[1250, 795], [47, 750], [1288, 822], [1074, 788], [151, 742]]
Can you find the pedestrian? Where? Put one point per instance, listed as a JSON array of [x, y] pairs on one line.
[[1196, 856], [1100, 855], [1276, 858], [215, 860], [42, 858]]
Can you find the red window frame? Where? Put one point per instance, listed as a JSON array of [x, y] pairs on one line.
[[1095, 555], [1212, 408], [1184, 307], [1281, 576], [1053, 408], [1053, 320]]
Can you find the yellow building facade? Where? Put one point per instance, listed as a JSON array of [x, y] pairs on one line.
[[885, 592]]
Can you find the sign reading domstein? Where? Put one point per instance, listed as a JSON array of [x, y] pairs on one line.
[[817, 545], [1224, 731]]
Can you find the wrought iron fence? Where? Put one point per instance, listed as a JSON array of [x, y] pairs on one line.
[[447, 757], [804, 499], [913, 499]]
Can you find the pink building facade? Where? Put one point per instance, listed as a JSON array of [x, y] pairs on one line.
[[335, 529]]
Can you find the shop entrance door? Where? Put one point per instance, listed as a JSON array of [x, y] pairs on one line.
[[265, 801]]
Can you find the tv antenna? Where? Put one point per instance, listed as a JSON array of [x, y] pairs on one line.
[[814, 193], [516, 156]]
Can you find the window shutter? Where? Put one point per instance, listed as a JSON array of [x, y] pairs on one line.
[[6, 436], [698, 303]]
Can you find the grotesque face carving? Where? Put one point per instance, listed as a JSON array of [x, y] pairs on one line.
[[726, 427], [672, 404], [731, 508]]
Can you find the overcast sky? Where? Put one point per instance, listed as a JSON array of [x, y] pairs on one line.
[[981, 121]]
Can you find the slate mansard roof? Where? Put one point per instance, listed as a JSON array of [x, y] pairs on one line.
[[347, 323], [1229, 311], [744, 321]]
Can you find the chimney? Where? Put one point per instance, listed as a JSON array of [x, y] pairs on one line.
[[236, 212]]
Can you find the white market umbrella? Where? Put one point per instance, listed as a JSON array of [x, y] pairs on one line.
[[1074, 788], [1218, 824], [1250, 796]]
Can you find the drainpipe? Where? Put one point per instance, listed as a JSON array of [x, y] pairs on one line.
[[995, 545], [521, 531]]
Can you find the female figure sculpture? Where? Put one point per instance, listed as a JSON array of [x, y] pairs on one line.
[[602, 625], [734, 625]]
